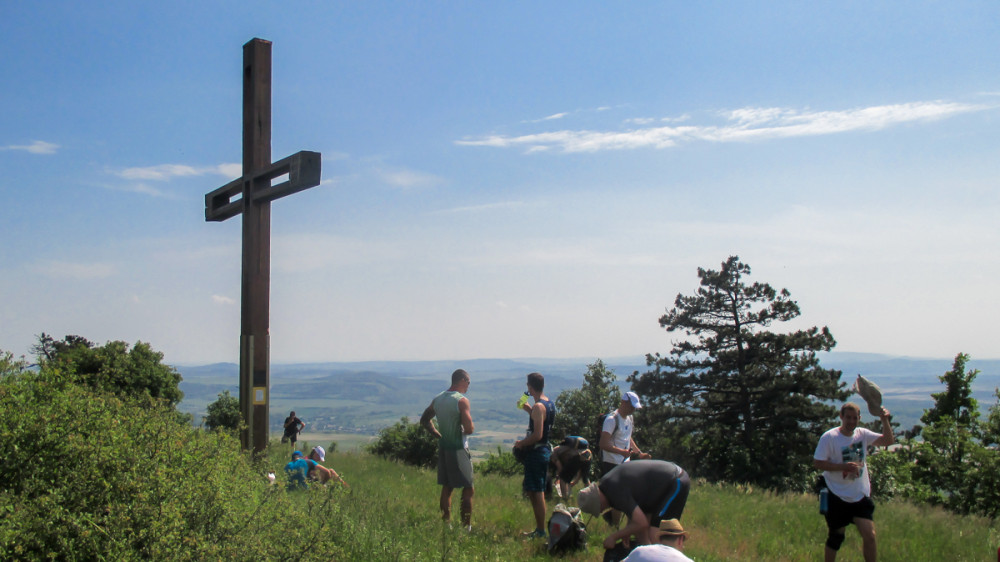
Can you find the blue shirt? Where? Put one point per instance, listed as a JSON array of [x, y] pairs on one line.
[[297, 470]]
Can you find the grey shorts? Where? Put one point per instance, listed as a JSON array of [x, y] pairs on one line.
[[455, 468]]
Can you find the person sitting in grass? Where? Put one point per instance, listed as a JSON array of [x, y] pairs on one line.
[[296, 471], [318, 472]]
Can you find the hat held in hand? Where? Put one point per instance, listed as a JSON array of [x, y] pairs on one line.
[[871, 394]]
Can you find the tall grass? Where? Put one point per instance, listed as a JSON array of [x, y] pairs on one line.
[[391, 513]]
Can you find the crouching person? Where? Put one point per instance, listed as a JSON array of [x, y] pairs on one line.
[[646, 491], [296, 471], [320, 473]]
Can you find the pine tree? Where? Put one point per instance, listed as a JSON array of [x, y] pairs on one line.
[[735, 401]]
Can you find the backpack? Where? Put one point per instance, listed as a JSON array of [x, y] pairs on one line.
[[600, 430], [566, 530]]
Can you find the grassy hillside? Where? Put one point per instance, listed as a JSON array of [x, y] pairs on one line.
[[393, 510]]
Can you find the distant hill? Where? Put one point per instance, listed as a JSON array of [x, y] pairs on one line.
[[362, 397]]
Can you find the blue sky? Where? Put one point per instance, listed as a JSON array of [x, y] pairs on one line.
[[515, 179]]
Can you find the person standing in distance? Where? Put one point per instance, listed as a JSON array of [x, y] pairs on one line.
[[537, 450], [842, 455], [616, 443], [454, 417], [293, 426]]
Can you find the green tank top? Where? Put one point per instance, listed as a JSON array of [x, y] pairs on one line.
[[449, 420]]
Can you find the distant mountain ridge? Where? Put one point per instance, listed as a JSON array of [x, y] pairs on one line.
[[363, 396]]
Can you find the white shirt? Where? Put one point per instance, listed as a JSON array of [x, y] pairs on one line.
[[656, 553], [621, 439], [838, 448]]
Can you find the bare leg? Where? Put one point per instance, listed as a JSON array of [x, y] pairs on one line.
[[867, 529], [446, 503], [467, 494], [538, 506]]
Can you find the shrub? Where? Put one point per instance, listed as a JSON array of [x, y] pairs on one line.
[[224, 413], [502, 463], [95, 476], [406, 442]]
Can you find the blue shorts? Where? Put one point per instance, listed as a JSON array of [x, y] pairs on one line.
[[536, 468]]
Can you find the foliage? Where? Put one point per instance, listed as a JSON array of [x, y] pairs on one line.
[[956, 401], [406, 442], [224, 413], [95, 476], [112, 367], [950, 466], [580, 408], [991, 427], [735, 401], [503, 463], [11, 366], [48, 347]]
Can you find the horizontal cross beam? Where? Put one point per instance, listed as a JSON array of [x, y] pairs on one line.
[[303, 170]]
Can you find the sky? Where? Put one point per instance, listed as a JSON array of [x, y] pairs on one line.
[[502, 179]]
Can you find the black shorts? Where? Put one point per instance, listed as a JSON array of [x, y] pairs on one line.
[[607, 467], [672, 506], [840, 514]]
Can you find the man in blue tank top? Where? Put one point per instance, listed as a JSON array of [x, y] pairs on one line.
[[454, 416], [537, 450]]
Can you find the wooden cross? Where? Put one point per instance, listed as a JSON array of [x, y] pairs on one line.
[[256, 193]]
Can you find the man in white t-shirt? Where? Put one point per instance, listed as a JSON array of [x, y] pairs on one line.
[[842, 455], [616, 434]]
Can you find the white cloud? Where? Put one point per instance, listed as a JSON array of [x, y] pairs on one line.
[[163, 172], [36, 147], [221, 300], [70, 270], [743, 125], [407, 178], [485, 207]]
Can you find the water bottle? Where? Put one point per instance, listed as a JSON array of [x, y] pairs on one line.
[[824, 500], [522, 400]]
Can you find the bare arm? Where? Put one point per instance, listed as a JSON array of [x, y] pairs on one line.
[[608, 445], [538, 416], [887, 437], [425, 420], [465, 415], [638, 526]]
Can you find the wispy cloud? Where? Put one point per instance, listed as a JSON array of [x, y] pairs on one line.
[[741, 125], [164, 172], [221, 300], [481, 208], [405, 178], [36, 147], [71, 270]]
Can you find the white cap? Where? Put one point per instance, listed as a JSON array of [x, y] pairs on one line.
[[633, 398], [320, 451]]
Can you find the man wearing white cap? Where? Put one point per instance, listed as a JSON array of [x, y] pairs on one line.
[[617, 445], [319, 472]]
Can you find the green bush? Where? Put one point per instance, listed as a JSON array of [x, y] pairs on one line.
[[94, 476], [406, 442], [224, 413], [502, 463]]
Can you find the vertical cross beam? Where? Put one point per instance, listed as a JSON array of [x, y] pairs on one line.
[[255, 370], [256, 193]]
